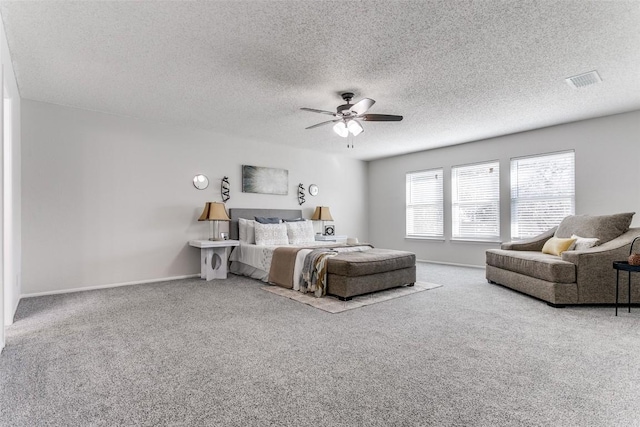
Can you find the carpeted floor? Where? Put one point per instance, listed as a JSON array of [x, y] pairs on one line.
[[332, 304], [227, 353]]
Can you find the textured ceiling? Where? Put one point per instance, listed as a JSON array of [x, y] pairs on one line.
[[457, 70]]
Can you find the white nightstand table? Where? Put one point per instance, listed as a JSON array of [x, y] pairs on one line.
[[213, 257], [337, 239]]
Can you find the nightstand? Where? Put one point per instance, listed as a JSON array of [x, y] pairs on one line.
[[337, 239], [213, 257]]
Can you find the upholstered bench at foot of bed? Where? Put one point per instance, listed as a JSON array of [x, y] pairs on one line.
[[356, 273]]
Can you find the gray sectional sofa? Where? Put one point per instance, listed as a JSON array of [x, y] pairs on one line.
[[576, 276]]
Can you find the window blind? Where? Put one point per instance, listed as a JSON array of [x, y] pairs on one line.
[[475, 201], [542, 192], [425, 204]]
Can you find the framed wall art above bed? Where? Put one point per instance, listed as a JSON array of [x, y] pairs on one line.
[[256, 179]]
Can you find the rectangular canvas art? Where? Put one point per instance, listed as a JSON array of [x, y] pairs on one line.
[[256, 179]]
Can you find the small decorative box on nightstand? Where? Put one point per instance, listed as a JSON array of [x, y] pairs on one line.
[[337, 239]]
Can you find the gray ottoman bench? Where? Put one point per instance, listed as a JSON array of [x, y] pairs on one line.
[[356, 273]]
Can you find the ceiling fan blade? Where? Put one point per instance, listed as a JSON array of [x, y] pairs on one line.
[[323, 123], [362, 106], [313, 110], [380, 118]]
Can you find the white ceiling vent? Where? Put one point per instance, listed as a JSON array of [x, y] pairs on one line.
[[582, 80]]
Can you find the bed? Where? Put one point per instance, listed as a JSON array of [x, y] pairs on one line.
[[336, 269]]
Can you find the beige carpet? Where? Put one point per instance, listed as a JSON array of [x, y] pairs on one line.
[[332, 304]]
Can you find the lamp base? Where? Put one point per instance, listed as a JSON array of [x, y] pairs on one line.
[[213, 231]]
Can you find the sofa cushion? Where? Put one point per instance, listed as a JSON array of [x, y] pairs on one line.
[[603, 227], [353, 264], [532, 263]]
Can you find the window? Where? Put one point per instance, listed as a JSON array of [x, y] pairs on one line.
[[475, 201], [542, 192], [425, 204]]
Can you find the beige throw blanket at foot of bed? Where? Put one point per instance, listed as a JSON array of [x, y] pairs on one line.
[[314, 272], [282, 266]]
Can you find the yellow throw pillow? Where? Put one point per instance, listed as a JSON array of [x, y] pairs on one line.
[[557, 245]]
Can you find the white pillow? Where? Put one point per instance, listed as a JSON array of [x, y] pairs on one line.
[[247, 231], [582, 243], [300, 232], [271, 234]]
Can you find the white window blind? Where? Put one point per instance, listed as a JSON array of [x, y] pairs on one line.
[[475, 201], [542, 192], [425, 204]]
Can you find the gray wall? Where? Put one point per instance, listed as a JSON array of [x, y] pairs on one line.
[[11, 205], [109, 200], [607, 163]]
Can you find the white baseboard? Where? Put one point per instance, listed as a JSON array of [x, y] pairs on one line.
[[451, 263], [113, 285]]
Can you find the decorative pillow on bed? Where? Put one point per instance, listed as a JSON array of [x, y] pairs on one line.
[[271, 234], [293, 219], [247, 231], [270, 220], [300, 232]]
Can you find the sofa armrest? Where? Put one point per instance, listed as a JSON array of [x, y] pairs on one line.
[[532, 244], [613, 250], [595, 276]]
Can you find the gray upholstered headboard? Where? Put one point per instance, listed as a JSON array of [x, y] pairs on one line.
[[236, 213]]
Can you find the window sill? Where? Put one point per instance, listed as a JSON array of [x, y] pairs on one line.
[[492, 242], [433, 239]]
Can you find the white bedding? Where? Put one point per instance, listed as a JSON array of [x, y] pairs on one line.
[[255, 260], [259, 257]]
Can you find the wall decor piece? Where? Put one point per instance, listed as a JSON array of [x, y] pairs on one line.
[[256, 179], [301, 199], [200, 181], [225, 189], [313, 190]]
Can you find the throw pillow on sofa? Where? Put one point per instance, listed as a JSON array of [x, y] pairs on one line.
[[556, 245], [582, 243]]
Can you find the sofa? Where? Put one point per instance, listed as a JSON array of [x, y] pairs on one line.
[[572, 276]]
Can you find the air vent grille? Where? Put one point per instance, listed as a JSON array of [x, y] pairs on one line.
[[582, 80]]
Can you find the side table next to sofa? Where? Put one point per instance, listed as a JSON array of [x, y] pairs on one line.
[[625, 266]]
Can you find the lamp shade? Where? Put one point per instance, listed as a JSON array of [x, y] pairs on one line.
[[354, 127], [322, 214], [214, 211], [341, 129]]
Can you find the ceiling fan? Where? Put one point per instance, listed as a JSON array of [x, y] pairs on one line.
[[347, 115]]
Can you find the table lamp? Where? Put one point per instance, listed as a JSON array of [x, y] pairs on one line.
[[322, 214], [214, 212]]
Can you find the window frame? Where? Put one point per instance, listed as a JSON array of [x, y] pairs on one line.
[[437, 203], [494, 202], [515, 188]]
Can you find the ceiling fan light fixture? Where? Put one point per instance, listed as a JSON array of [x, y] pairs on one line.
[[341, 129], [354, 127]]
